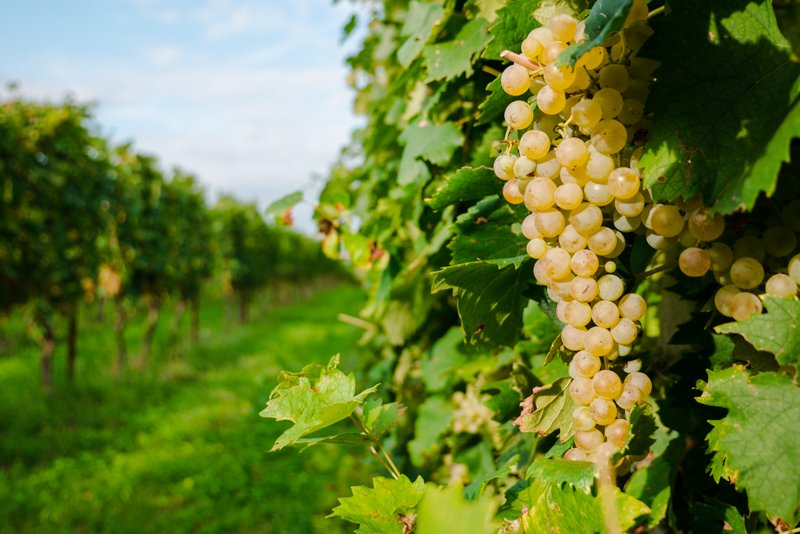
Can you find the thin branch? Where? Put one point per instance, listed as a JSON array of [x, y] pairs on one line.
[[520, 60], [651, 272]]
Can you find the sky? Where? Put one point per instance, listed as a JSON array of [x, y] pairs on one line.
[[250, 95]]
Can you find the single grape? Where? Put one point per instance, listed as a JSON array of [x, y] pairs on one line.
[[588, 440], [598, 166], [540, 194], [572, 153], [781, 285], [528, 227], [745, 304], [557, 263], [617, 432], [504, 166], [641, 381], [593, 58], [632, 366], [747, 273], [571, 241], [553, 50], [548, 166], [723, 298], [568, 196], [599, 341], [574, 177], [624, 332], [705, 226], [518, 114], [597, 194], [609, 136], [624, 183], [515, 80], [721, 256], [614, 76], [603, 242], [550, 223], [632, 111], [540, 271], [573, 338], [630, 395], [626, 224], [632, 306], [563, 27], [582, 418], [630, 207], [559, 78], [780, 241], [610, 101], [749, 246], [587, 113], [534, 144], [610, 267], [537, 248], [665, 220], [694, 262], [586, 364], [658, 241], [577, 314], [605, 314], [586, 218], [584, 263], [610, 287], [603, 411], [575, 455], [583, 289], [550, 101], [512, 193]]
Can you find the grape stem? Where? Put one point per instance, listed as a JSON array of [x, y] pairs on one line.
[[651, 272], [520, 60], [385, 459], [656, 11], [490, 70]]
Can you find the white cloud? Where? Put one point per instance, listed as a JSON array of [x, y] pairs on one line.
[[164, 55]]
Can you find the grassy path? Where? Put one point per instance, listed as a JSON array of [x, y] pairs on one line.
[[179, 449]]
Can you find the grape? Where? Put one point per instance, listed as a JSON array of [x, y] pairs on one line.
[[586, 364], [779, 241], [550, 101], [630, 395], [518, 114], [620, 248], [609, 136], [721, 256], [637, 90], [632, 366], [593, 58], [534, 144], [515, 80], [658, 241], [583, 289], [574, 177], [745, 304], [610, 267], [577, 314], [597, 194], [563, 27], [781, 285], [614, 76], [610, 102], [603, 242], [586, 218], [790, 215], [749, 246], [571, 153], [540, 271], [559, 78], [704, 226], [528, 227], [632, 112], [504, 166], [624, 332], [599, 341], [550, 223], [605, 314], [665, 220], [561, 309], [575, 455], [624, 183], [584, 263], [603, 410], [587, 113], [794, 268], [571, 241], [610, 287], [626, 224], [617, 432], [557, 262], [553, 50], [588, 440], [641, 381], [548, 166], [537, 248], [630, 207], [511, 192], [582, 81], [568, 196], [632, 306], [747, 273], [524, 167], [582, 418], [573, 338], [540, 194], [694, 262], [601, 456], [599, 166], [723, 297]]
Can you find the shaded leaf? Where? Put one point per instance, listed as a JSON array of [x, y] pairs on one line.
[[488, 232], [377, 509], [433, 142], [605, 18], [433, 419], [380, 418], [467, 183], [419, 25], [640, 433]]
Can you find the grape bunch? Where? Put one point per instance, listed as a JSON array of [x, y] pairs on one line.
[[572, 161]]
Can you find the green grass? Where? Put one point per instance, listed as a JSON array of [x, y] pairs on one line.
[[178, 447]]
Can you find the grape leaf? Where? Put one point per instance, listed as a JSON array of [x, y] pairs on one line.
[[514, 22], [420, 21], [716, 516], [494, 104], [640, 433], [282, 204], [754, 446], [441, 367], [379, 418], [381, 508], [453, 58], [605, 18], [446, 510], [489, 298], [652, 483], [467, 183], [551, 410], [313, 399], [775, 332], [550, 8], [560, 498], [433, 142], [433, 420], [725, 102], [486, 233]]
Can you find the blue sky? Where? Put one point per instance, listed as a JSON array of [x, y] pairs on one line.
[[248, 94]]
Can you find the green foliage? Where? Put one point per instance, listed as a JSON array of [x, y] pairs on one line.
[[382, 508], [753, 445], [461, 515], [550, 410], [605, 18]]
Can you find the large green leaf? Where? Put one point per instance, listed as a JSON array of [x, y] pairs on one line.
[[489, 298], [549, 409], [453, 58], [420, 21], [446, 510], [514, 22], [383, 508], [467, 183], [486, 232], [755, 444], [313, 399], [775, 331], [724, 103], [605, 18], [433, 142]]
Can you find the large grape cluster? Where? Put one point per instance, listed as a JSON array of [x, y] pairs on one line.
[[571, 160]]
